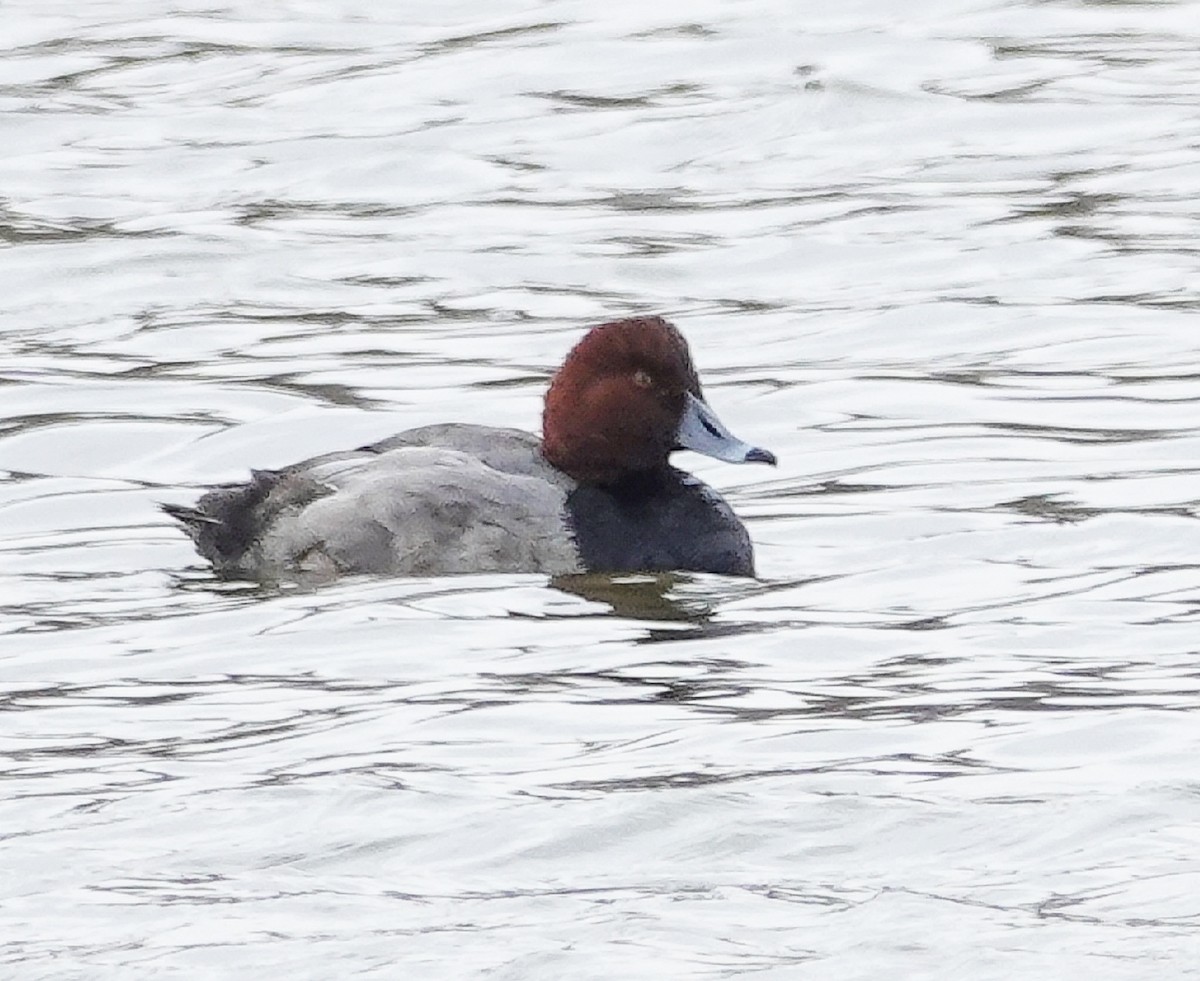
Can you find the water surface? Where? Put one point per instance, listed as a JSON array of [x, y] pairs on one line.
[[940, 258]]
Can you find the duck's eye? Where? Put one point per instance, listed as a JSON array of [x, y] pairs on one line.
[[642, 379]]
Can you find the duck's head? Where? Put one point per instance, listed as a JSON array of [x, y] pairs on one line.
[[625, 398]]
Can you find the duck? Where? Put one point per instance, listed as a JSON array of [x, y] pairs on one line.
[[595, 494]]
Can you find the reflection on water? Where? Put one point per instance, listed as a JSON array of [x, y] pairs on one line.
[[641, 597], [940, 259]]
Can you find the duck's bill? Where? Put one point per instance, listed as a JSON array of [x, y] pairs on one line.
[[702, 432]]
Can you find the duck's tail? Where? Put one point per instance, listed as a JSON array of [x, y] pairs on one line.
[[227, 520], [192, 519]]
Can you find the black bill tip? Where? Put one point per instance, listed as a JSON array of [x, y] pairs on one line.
[[758, 455]]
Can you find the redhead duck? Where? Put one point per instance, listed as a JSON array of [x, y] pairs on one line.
[[595, 494]]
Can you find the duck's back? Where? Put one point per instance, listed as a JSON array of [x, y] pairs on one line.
[[436, 500]]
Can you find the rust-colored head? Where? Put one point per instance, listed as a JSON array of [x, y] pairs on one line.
[[618, 405]]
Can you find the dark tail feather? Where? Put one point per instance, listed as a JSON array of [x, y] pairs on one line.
[[228, 519], [190, 518]]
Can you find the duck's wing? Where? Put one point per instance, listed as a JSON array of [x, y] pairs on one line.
[[436, 500]]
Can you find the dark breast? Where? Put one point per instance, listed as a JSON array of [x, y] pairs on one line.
[[657, 524]]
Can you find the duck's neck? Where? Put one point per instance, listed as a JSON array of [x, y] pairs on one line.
[[637, 484]]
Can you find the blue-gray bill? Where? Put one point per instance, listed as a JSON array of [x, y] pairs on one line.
[[702, 432]]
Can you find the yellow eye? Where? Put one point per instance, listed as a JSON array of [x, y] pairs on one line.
[[642, 379]]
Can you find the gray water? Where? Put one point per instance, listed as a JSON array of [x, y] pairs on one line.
[[941, 258]]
